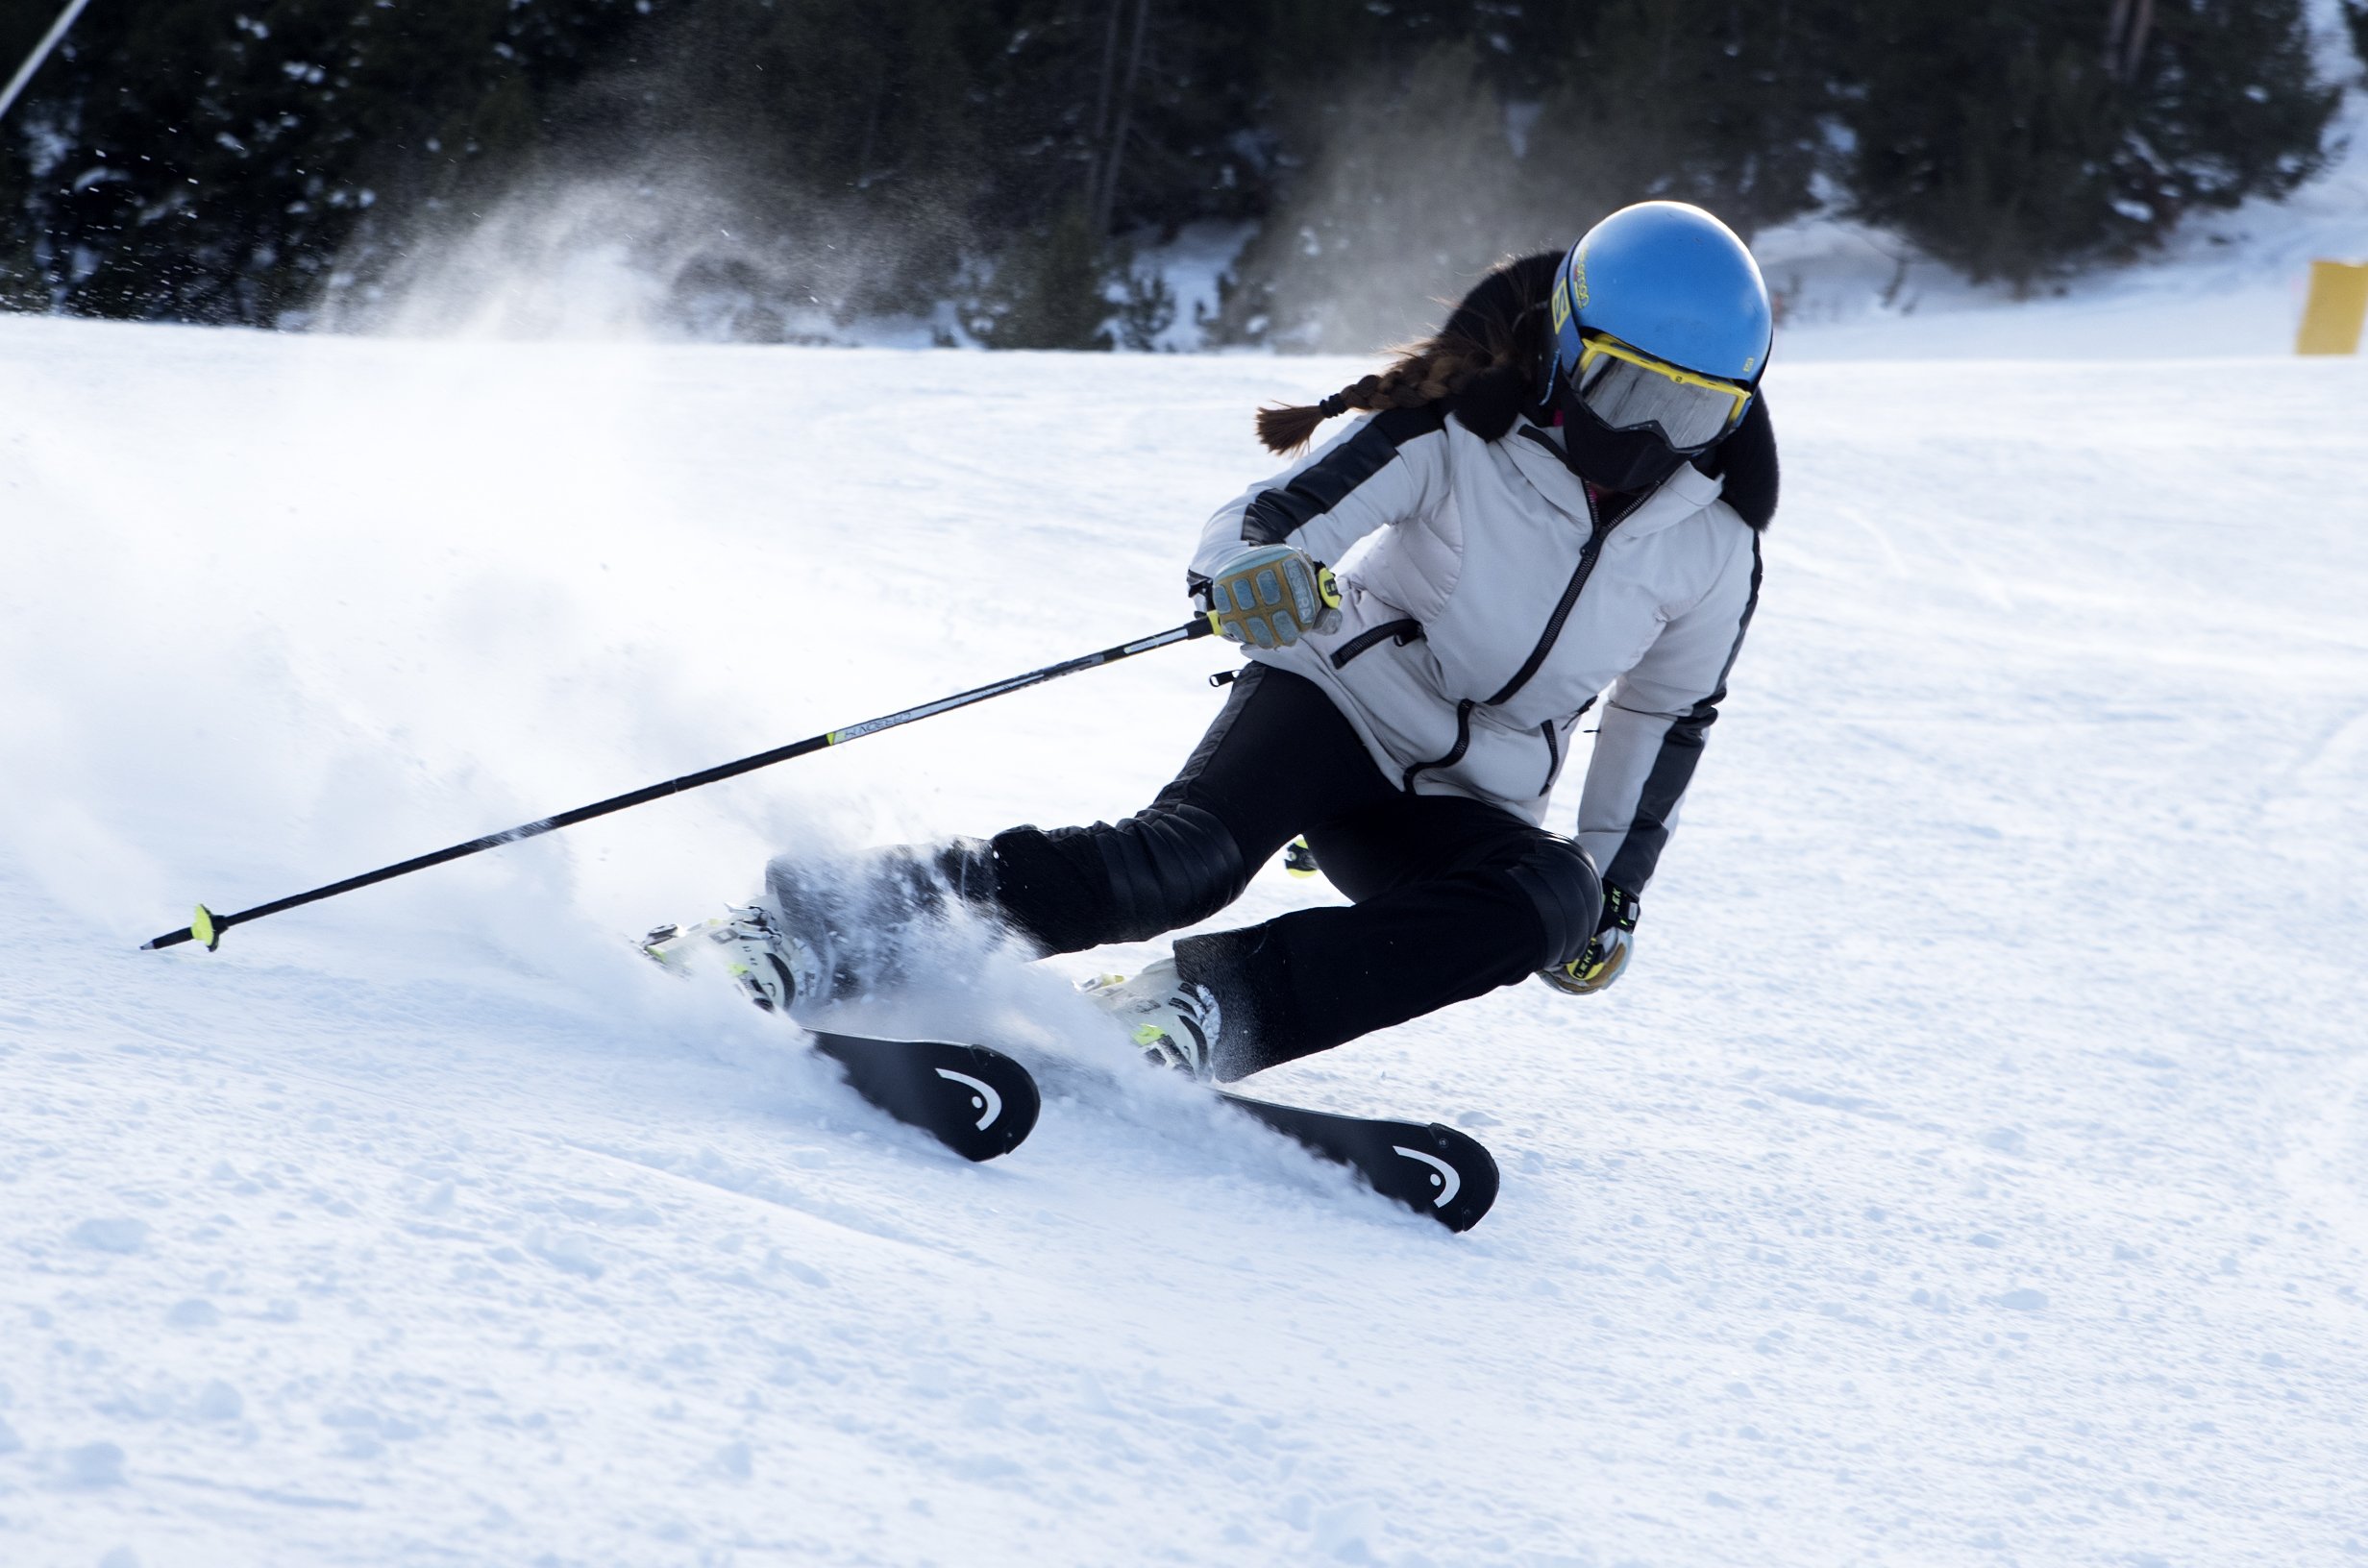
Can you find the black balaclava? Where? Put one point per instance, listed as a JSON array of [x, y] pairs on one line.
[[1610, 459], [1627, 461]]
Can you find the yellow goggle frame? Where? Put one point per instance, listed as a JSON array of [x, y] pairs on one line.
[[1593, 346]]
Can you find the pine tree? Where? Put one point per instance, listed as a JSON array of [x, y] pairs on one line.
[[185, 160], [1051, 290], [1432, 169], [2020, 139]]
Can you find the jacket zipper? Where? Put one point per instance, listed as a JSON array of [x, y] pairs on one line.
[[1588, 553], [1406, 629]]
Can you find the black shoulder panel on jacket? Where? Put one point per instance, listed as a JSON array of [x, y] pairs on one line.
[[1747, 461], [1275, 515]]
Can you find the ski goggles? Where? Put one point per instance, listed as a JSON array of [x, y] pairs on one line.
[[1628, 390]]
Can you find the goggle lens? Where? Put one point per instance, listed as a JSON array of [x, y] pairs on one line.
[[1629, 394]]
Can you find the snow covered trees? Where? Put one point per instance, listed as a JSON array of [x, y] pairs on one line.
[[181, 159], [2057, 136], [184, 159]]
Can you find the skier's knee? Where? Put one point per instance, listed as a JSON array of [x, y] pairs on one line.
[[1559, 880], [1169, 865]]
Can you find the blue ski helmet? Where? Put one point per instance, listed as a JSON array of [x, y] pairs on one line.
[[1674, 284]]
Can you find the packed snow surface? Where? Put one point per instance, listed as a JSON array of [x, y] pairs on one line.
[[1972, 1169]]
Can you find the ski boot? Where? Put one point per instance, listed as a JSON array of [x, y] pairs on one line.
[[870, 921], [1172, 1023], [773, 965], [777, 969]]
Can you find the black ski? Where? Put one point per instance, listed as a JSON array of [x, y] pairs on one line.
[[1434, 1170], [981, 1103], [978, 1103]]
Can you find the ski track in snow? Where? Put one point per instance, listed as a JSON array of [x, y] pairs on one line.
[[1971, 1170]]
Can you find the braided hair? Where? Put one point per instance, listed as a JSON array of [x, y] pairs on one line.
[[1484, 361]]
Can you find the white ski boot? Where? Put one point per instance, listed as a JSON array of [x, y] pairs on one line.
[[1172, 1023], [775, 967]]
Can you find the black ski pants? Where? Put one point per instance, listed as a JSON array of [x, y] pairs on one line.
[[1452, 897]]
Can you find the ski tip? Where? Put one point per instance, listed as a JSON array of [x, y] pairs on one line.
[[997, 1128], [1479, 1179], [1444, 1175], [976, 1100]]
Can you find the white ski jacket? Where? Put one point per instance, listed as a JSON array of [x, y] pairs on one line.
[[1486, 610]]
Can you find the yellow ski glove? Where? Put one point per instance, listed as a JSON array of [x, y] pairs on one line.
[[1269, 595], [1606, 957]]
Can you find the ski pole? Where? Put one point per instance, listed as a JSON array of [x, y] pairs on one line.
[[208, 927], [40, 53]]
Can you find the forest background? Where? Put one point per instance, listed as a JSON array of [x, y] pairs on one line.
[[997, 168]]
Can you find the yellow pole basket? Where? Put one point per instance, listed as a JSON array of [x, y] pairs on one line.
[[2339, 304]]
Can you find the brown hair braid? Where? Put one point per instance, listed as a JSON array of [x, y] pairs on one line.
[[1486, 356], [1435, 368]]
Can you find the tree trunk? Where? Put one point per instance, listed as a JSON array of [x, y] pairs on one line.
[[1106, 201], [2125, 30], [1096, 149], [2141, 24]]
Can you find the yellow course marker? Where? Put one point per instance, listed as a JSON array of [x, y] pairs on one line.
[[2337, 307]]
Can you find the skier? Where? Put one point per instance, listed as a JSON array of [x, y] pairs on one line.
[[1552, 508]]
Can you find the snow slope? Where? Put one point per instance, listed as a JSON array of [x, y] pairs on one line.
[[1971, 1170]]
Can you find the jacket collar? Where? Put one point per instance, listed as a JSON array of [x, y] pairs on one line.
[[1539, 458]]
